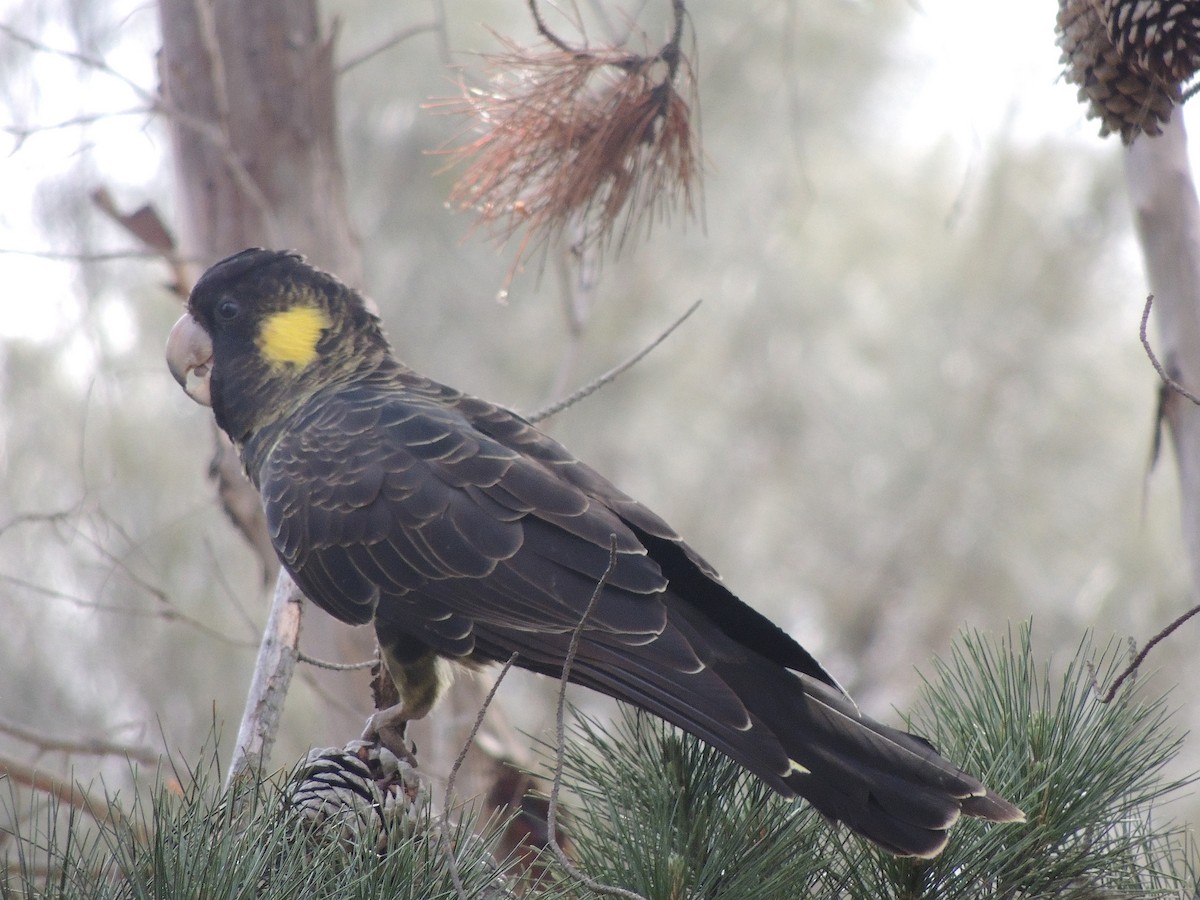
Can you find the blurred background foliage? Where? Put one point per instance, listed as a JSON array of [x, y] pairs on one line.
[[912, 400]]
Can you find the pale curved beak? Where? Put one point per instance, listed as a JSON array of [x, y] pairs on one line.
[[189, 357]]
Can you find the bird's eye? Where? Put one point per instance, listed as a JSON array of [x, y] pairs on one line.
[[228, 309]]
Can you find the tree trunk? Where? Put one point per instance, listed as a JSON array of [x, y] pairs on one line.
[[250, 89], [249, 92]]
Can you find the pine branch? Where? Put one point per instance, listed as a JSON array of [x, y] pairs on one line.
[[185, 838]]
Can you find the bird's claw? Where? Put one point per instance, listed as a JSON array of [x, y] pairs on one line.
[[387, 727]]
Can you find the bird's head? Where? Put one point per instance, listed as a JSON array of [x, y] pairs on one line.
[[263, 331]]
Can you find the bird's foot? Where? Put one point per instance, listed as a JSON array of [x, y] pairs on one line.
[[387, 728]]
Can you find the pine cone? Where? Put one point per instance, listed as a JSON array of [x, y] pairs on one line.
[[1161, 36], [1127, 98], [362, 791]]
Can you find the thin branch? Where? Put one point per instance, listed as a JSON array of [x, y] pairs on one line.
[[41, 518], [22, 132], [590, 388], [211, 46], [71, 793], [83, 59], [170, 614], [272, 675], [332, 666], [544, 30], [444, 831], [478, 723], [561, 737], [1145, 651], [398, 38], [86, 746], [439, 20], [671, 52], [217, 573], [241, 176], [59, 256], [1158, 367], [577, 275]]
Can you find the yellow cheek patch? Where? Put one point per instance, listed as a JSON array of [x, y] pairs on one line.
[[290, 337]]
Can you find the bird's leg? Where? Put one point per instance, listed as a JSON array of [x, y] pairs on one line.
[[387, 728], [405, 687]]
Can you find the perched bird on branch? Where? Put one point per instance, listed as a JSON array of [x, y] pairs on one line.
[[465, 536]]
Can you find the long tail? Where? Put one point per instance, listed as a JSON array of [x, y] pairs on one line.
[[800, 735], [888, 785]]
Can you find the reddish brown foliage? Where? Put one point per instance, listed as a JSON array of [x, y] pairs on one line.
[[597, 141]]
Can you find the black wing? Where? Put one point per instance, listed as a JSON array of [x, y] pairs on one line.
[[424, 504], [457, 523]]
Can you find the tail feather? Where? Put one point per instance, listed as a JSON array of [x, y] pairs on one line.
[[808, 739], [800, 735], [891, 786]]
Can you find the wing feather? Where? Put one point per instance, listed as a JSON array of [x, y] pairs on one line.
[[419, 518]]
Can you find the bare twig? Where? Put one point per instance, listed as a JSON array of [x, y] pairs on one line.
[[78, 746], [69, 792], [544, 30], [611, 374], [1145, 651], [577, 276], [444, 830], [217, 135], [396, 39], [168, 614], [332, 666], [210, 44], [672, 51], [22, 132], [272, 675], [61, 256], [1158, 367], [476, 725], [561, 737], [90, 62], [439, 21]]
